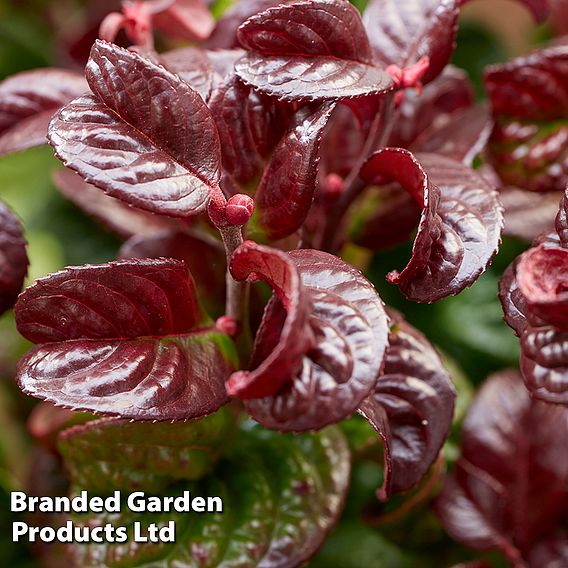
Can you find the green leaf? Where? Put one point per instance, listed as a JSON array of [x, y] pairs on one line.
[[110, 454], [281, 495]]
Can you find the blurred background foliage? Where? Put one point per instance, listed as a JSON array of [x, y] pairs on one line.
[[468, 329]]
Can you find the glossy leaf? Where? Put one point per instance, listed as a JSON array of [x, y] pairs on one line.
[[532, 294], [113, 213], [350, 328], [530, 154], [125, 338], [288, 342], [561, 224], [531, 86], [448, 94], [528, 214], [193, 66], [224, 35], [462, 139], [529, 146], [112, 453], [249, 124], [28, 101], [281, 497], [509, 488], [317, 48], [118, 300], [411, 408], [542, 275], [514, 303], [192, 248], [286, 191], [144, 136], [461, 223], [402, 32], [13, 258]]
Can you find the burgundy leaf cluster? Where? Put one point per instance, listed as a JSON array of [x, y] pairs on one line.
[[509, 487], [237, 169]]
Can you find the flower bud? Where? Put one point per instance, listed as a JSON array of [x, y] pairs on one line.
[[239, 209]]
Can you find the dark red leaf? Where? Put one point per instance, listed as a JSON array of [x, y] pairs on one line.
[[529, 96], [530, 87], [528, 214], [185, 19], [249, 125], [144, 137], [286, 191], [121, 339], [510, 485], [281, 361], [28, 101], [411, 408], [170, 378], [462, 138], [514, 303], [562, 220], [343, 142], [13, 258], [120, 300], [558, 15], [530, 154], [114, 214], [193, 66], [193, 249], [387, 218], [318, 49], [224, 35], [544, 363], [461, 223], [340, 369], [404, 31], [449, 93], [552, 551], [542, 276]]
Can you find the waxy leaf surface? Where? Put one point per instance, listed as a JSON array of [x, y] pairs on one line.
[[317, 49], [561, 224], [126, 338], [286, 191], [446, 95], [144, 136], [528, 214], [350, 328], [29, 100], [532, 86], [460, 227], [411, 408], [126, 455], [509, 487], [462, 138], [532, 293], [249, 124], [193, 66], [403, 31], [529, 145], [291, 338], [192, 248], [114, 214], [13, 258], [281, 497]]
